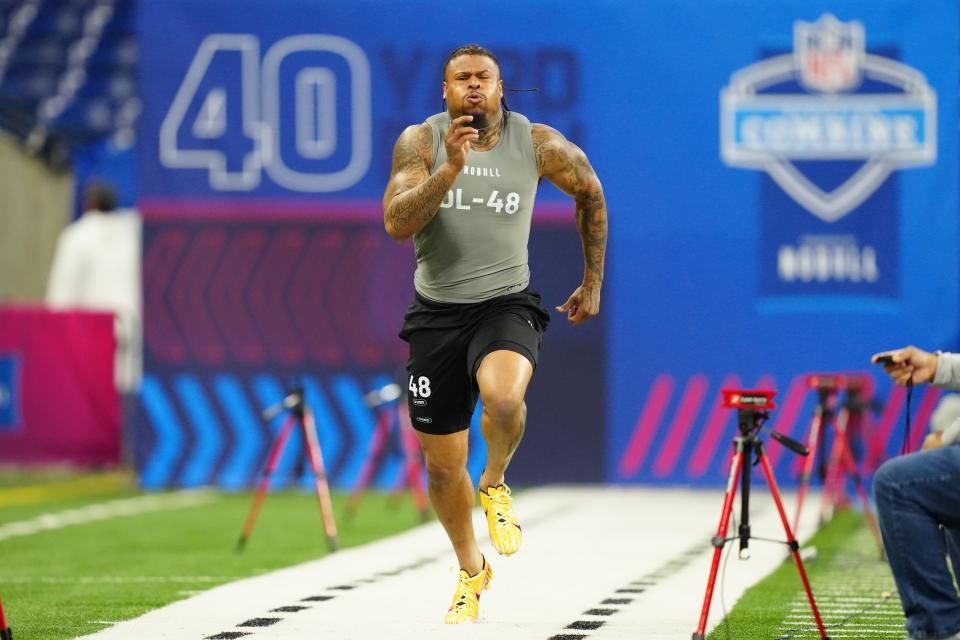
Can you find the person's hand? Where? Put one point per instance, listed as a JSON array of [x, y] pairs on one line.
[[909, 365], [933, 441], [583, 304], [457, 141]]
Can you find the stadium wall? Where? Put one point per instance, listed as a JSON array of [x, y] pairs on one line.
[[36, 204]]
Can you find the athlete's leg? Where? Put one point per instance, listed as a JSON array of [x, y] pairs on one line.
[[503, 377], [451, 493]]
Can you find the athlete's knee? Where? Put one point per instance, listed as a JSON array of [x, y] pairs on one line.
[[506, 410], [442, 471]]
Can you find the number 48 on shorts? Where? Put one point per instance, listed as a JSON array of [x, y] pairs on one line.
[[420, 388]]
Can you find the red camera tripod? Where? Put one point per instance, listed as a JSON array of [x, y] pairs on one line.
[[840, 463], [6, 633], [753, 409]]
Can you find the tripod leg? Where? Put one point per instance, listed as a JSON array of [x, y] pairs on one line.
[[414, 468], [791, 540], [815, 427], [323, 490], [843, 426], [377, 445], [833, 493], [275, 451], [6, 633], [851, 465], [719, 540]]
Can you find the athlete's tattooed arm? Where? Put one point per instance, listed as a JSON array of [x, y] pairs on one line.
[[566, 166], [413, 195]]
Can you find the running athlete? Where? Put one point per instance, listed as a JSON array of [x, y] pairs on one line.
[[463, 185]]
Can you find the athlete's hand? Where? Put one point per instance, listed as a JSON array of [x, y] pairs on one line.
[[457, 141], [583, 304], [910, 365]]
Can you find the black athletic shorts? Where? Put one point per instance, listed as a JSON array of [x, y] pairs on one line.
[[447, 344]]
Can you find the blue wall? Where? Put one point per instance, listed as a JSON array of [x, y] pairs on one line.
[[825, 230]]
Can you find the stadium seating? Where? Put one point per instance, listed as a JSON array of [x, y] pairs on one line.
[[68, 72]]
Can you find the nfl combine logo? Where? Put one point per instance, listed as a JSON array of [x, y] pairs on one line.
[[828, 122], [762, 128]]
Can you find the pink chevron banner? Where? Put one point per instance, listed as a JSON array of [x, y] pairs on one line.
[[59, 388], [290, 293], [682, 434]]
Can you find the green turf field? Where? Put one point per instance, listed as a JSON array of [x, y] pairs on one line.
[[853, 587], [78, 579]]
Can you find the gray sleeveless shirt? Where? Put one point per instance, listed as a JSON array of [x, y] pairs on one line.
[[475, 248]]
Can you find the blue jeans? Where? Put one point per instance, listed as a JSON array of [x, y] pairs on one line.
[[915, 495]]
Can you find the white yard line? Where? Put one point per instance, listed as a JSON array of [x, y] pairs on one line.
[[105, 511], [618, 563]]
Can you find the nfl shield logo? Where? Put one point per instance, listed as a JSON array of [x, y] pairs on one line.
[[829, 54]]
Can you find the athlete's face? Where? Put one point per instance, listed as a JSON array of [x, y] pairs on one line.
[[472, 85]]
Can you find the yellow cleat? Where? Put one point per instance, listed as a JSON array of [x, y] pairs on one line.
[[466, 600], [505, 532]]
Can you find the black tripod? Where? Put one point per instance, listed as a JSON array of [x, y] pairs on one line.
[[752, 411]]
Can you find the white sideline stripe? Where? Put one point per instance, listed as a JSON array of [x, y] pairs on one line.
[[581, 545], [104, 511]]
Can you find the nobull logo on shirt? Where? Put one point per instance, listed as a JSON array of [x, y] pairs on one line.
[[829, 123]]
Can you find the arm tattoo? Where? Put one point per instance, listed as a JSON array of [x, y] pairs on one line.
[[591, 217], [413, 195], [566, 166]]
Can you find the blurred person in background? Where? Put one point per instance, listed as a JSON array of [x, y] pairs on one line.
[[96, 267], [918, 505], [462, 185]]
